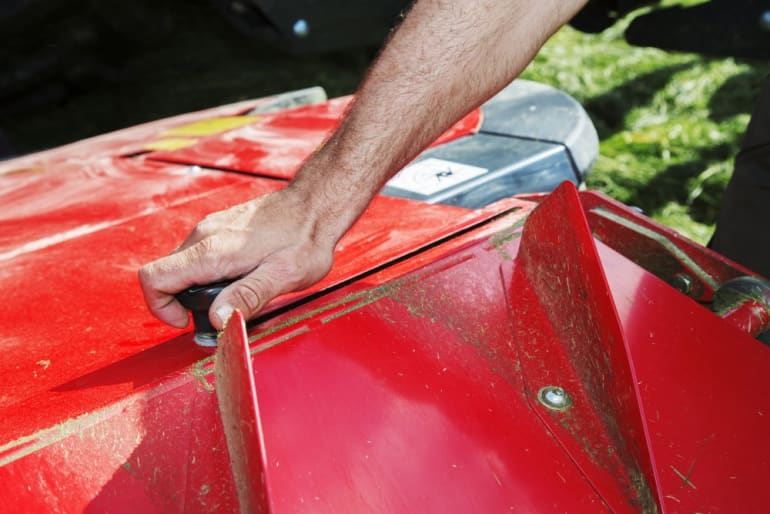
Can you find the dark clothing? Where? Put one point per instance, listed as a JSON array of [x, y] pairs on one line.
[[741, 231]]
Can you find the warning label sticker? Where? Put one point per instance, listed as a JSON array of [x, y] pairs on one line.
[[432, 175]]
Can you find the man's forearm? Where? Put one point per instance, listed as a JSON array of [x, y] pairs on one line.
[[445, 59]]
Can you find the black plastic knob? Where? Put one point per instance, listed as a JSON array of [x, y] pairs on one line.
[[198, 300]]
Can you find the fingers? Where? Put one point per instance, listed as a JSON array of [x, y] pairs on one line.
[[270, 242], [165, 307], [250, 294], [161, 279]]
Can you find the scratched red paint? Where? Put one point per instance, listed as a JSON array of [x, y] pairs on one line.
[[277, 144], [395, 385]]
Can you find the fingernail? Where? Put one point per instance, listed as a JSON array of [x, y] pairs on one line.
[[223, 312]]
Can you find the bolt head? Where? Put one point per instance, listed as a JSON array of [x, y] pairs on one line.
[[683, 283], [554, 398]]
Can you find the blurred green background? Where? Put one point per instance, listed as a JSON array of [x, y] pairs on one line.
[[669, 123]]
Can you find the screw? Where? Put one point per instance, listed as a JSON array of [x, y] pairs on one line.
[[554, 398], [682, 283], [301, 28], [764, 21]]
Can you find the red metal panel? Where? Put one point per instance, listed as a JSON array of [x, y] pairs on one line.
[[167, 446], [274, 146], [237, 398], [411, 389], [750, 317], [77, 336], [571, 338], [697, 377], [690, 366], [409, 399], [277, 144], [137, 139], [44, 206], [158, 451]]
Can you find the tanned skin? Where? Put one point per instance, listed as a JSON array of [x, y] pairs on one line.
[[446, 58]]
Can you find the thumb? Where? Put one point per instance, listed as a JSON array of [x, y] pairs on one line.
[[249, 295]]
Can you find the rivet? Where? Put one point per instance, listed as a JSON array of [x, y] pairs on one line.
[[554, 398]]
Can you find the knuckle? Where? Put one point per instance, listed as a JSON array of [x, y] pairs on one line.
[[250, 294], [208, 247], [205, 227], [146, 275], [206, 259], [198, 232]]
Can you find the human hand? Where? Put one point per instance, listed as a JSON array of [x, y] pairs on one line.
[[273, 243]]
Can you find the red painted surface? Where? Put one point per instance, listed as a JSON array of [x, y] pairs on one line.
[[428, 413], [405, 382], [571, 338], [77, 334], [277, 144], [405, 390], [49, 205], [693, 370], [750, 317], [237, 397]]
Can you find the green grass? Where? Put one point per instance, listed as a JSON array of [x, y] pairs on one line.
[[669, 123]]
